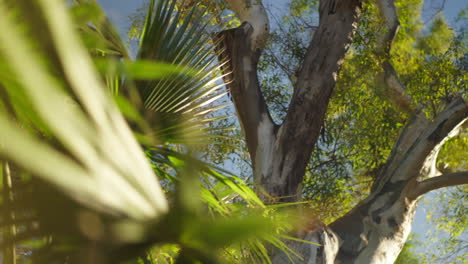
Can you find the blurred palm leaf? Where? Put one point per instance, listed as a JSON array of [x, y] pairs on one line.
[[59, 124], [93, 193], [93, 145], [98, 33]]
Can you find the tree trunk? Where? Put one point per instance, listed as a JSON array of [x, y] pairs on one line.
[[375, 231], [280, 153]]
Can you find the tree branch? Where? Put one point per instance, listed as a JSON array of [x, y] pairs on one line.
[[242, 47], [446, 180], [395, 90], [325, 54], [415, 151], [315, 83], [389, 14]]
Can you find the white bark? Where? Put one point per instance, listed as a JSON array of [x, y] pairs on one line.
[[265, 148], [375, 232], [254, 13], [384, 239]]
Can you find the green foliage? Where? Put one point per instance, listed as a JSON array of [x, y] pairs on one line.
[[407, 254], [302, 7], [451, 151], [455, 198], [439, 38], [448, 214]]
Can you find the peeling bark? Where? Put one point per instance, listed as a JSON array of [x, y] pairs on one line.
[[376, 229], [242, 82], [280, 153]]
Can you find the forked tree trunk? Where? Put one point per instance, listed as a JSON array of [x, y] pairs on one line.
[[280, 153], [376, 229]]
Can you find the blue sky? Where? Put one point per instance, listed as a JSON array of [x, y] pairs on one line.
[[119, 10]]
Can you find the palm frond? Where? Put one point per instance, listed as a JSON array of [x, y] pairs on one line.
[[97, 31], [166, 37]]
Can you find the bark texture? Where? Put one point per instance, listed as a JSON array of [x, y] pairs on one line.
[[280, 153]]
